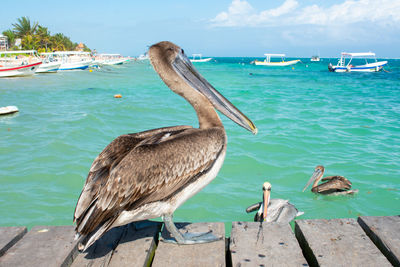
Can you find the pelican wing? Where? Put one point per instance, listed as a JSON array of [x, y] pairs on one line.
[[153, 170], [110, 157], [334, 184], [253, 207]]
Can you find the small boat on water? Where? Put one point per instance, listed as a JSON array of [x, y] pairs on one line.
[[267, 61], [71, 60], [315, 59], [18, 63], [199, 58], [49, 64], [110, 59], [345, 63], [8, 110]]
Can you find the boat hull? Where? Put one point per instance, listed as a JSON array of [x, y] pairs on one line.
[[201, 60], [48, 67], [8, 110], [80, 65], [15, 71], [276, 64], [372, 67]]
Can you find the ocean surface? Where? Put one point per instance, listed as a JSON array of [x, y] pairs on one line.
[[306, 116]]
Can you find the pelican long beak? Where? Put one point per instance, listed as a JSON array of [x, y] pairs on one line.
[[266, 203], [186, 70], [317, 173]]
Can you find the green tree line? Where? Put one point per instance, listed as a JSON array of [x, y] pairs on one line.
[[37, 37]]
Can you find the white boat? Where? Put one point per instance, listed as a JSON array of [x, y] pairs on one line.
[[49, 64], [346, 59], [144, 56], [72, 60], [315, 59], [267, 61], [199, 58], [18, 63], [8, 110], [110, 59]]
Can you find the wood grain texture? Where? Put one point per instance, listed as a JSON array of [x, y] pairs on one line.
[[43, 246], [264, 244], [384, 231], [208, 254], [9, 236], [337, 242]]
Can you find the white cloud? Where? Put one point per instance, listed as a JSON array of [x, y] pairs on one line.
[[241, 14]]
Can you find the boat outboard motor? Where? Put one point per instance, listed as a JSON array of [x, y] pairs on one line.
[[330, 68]]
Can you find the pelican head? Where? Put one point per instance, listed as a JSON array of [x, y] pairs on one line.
[[179, 74], [266, 197], [316, 176]]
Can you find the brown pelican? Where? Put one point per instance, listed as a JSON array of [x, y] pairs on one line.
[[150, 174], [273, 210], [337, 185]]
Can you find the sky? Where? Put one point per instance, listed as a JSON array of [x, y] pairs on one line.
[[239, 28]]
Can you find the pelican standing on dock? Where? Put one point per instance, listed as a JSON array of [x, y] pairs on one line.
[[273, 210], [150, 174], [335, 185]]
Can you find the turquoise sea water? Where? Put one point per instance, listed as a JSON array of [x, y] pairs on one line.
[[306, 116]]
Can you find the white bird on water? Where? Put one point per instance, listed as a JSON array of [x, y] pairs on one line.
[[273, 210]]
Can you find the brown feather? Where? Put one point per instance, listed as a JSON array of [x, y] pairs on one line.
[[333, 184], [148, 172]]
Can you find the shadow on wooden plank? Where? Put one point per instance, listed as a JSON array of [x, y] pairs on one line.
[[9, 236], [101, 252], [206, 254], [384, 231], [338, 241]]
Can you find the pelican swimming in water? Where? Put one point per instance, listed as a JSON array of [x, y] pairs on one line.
[[273, 210], [335, 185], [150, 174]]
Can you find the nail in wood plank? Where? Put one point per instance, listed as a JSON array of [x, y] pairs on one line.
[[337, 242], [207, 254], [384, 231], [264, 244], [43, 246], [9, 236]]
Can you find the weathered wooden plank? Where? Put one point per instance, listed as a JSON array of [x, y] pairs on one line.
[[208, 254], [131, 244], [100, 253], [264, 244], [337, 242], [43, 246], [9, 236], [384, 231], [137, 246]]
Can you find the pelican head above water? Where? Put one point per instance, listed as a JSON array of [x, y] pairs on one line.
[[334, 185], [273, 210], [150, 174]]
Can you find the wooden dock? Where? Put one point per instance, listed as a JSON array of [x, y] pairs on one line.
[[366, 241]]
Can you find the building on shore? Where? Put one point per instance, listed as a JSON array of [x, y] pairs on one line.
[[3, 42]]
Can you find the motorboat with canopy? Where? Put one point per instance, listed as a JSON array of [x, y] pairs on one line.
[[357, 62], [267, 61]]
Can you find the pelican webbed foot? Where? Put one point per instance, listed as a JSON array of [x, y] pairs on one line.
[[186, 238]]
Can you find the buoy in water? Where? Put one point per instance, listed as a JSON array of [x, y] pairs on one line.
[[90, 70], [117, 96]]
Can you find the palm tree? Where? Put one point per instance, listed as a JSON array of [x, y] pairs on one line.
[[44, 36], [10, 37], [24, 27], [30, 42]]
